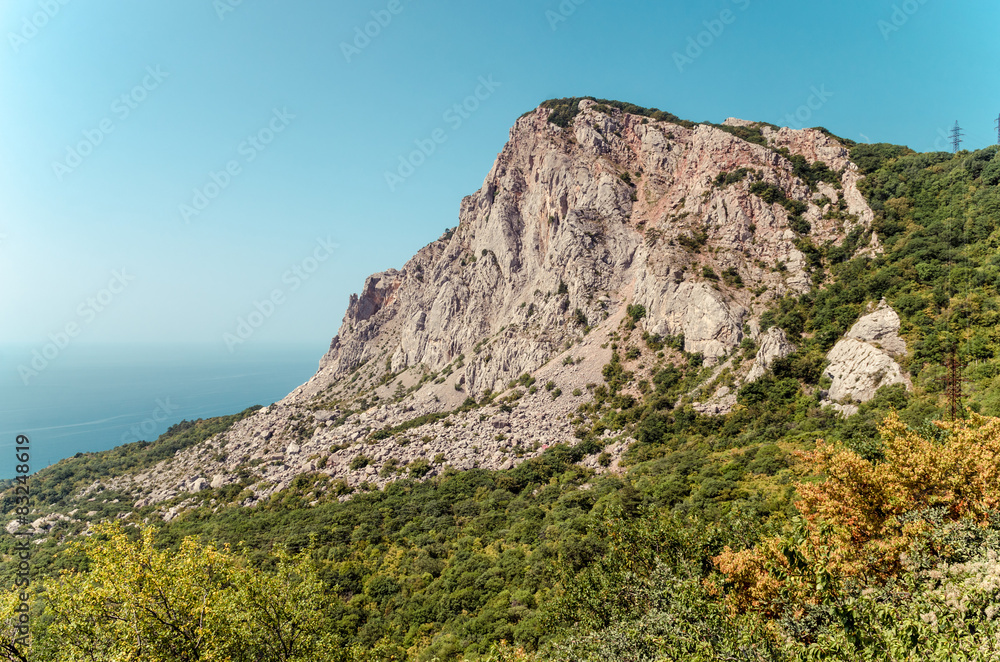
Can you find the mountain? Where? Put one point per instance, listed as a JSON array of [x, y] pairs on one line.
[[701, 227], [590, 419]]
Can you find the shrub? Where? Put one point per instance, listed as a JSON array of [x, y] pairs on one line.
[[769, 193], [724, 179], [391, 467], [360, 462], [732, 277], [751, 134], [815, 173], [419, 468], [799, 225], [694, 241]]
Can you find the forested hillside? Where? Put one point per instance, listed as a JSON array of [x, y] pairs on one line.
[[717, 537]]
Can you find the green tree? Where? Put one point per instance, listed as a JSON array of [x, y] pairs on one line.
[[200, 603]]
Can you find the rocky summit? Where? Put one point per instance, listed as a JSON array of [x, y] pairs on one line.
[[480, 350]]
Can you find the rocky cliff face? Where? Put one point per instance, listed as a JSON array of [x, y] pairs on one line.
[[865, 360], [617, 209], [571, 226]]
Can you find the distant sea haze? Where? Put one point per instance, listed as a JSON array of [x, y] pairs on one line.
[[94, 398]]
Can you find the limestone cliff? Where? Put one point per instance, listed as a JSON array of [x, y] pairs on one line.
[[616, 209], [570, 227], [865, 360]]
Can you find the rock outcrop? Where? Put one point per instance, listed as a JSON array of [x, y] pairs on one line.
[[880, 328], [570, 227], [773, 346], [616, 209], [865, 360]]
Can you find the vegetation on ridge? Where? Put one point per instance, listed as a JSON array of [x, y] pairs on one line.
[[564, 111]]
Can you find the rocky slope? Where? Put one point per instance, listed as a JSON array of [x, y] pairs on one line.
[[697, 225]]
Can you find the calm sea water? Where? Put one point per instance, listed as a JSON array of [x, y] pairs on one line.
[[92, 398]]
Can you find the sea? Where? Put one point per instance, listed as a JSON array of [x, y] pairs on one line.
[[95, 397]]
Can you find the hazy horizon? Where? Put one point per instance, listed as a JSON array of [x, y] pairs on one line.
[[98, 396]]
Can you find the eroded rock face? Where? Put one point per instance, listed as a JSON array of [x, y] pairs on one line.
[[864, 360], [617, 209], [773, 346], [570, 227], [880, 328], [710, 324]]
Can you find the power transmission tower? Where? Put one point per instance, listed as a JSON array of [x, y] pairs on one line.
[[956, 136], [998, 130]]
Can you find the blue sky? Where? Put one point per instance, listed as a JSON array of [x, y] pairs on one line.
[[114, 115]]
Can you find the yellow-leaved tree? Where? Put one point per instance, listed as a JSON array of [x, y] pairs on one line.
[[14, 635], [859, 520], [200, 603]]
